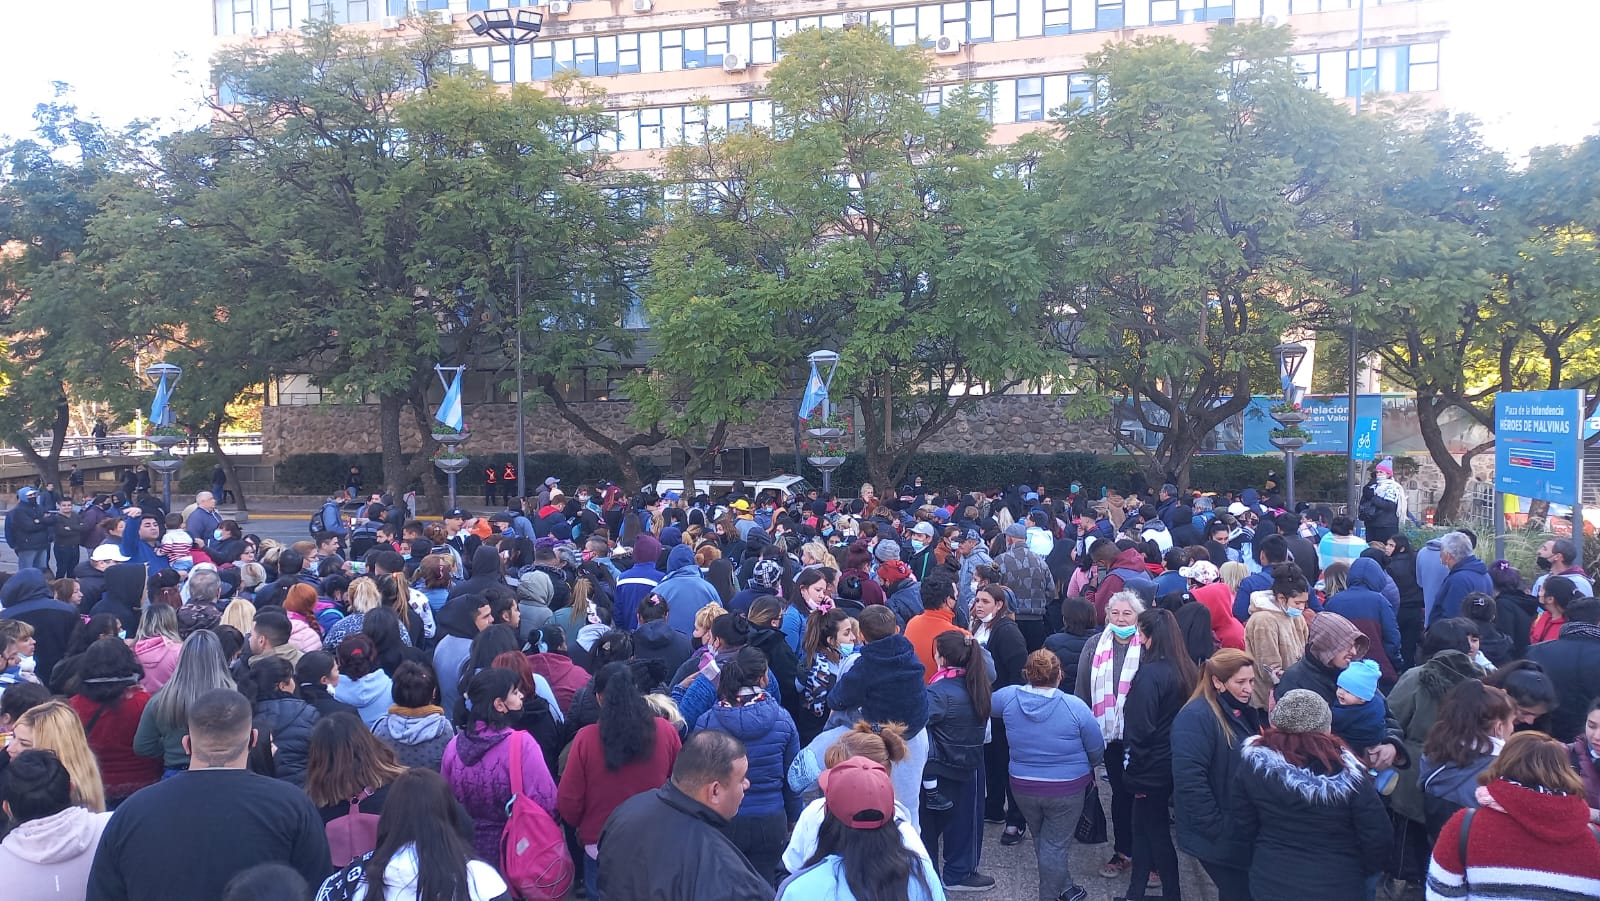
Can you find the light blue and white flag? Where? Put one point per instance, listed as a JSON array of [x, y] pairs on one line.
[[450, 409], [816, 394], [160, 411]]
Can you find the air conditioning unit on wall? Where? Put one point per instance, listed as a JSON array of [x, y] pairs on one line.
[[947, 45], [641, 6], [733, 62]]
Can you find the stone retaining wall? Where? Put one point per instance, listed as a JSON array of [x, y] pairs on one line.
[[1031, 424]]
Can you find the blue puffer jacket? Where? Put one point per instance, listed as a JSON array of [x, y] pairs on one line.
[[886, 683], [685, 589], [771, 744], [1363, 604]]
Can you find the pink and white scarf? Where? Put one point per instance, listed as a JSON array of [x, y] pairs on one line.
[[1107, 699]]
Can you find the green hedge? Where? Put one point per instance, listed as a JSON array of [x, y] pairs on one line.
[[1317, 478], [196, 474], [323, 473]]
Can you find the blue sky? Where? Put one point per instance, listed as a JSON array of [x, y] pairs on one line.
[[1521, 66]]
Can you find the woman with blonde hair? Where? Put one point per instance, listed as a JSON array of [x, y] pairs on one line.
[[157, 646], [364, 596], [54, 726], [240, 614], [202, 666], [251, 576], [884, 745], [1206, 736], [576, 614], [1232, 573]]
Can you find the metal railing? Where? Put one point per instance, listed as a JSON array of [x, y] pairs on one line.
[[136, 446]]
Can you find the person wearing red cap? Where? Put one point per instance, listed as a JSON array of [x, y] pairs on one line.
[[859, 851]]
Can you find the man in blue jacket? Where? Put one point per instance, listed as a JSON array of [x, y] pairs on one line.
[[140, 534], [637, 582], [1467, 574], [685, 589]]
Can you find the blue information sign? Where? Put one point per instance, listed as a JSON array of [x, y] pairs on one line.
[[1367, 435], [1325, 421], [1538, 437]]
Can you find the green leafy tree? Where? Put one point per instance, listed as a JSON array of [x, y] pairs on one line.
[[1183, 203]]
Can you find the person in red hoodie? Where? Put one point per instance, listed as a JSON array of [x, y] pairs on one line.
[[1124, 567], [629, 752], [549, 659], [1530, 835], [110, 703]]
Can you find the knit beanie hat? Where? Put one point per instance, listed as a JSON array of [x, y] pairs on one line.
[[767, 574], [1360, 678], [887, 549], [1302, 711]]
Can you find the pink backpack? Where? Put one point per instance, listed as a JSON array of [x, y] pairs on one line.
[[533, 850], [354, 834]]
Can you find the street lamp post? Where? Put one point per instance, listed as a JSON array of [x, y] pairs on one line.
[[522, 431], [164, 376], [1291, 438], [513, 27]]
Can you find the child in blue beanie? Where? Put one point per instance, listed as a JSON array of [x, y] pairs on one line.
[[1360, 715]]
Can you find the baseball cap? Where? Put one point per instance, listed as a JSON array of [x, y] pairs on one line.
[[1203, 571], [552, 481], [670, 495], [925, 529], [1017, 530], [28, 493], [107, 552], [456, 513], [858, 793], [1237, 508], [740, 504]]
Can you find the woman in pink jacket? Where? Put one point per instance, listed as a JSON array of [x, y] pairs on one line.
[[157, 646], [305, 632]]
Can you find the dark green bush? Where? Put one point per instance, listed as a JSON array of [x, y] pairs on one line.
[[196, 474], [323, 473]]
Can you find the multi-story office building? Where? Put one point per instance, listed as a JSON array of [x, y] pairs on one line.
[[673, 68]]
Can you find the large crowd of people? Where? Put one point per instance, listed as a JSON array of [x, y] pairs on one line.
[[743, 695]]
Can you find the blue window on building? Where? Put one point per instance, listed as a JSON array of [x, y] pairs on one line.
[[1108, 15]]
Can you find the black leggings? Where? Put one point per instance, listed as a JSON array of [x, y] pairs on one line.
[[1152, 846], [1121, 801]]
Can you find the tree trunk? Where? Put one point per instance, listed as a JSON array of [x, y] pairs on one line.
[[694, 463], [620, 451], [49, 463], [389, 407], [420, 471], [1456, 473], [226, 462]]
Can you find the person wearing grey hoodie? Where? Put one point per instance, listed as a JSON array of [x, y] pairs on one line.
[[52, 843], [534, 591], [460, 620], [685, 589], [416, 727]]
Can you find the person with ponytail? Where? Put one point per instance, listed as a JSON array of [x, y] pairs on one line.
[[1206, 737], [1165, 680], [1056, 743], [952, 779], [629, 751], [831, 638], [745, 710]]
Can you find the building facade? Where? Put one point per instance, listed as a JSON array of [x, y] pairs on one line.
[[673, 68]]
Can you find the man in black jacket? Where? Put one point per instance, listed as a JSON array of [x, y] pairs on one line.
[[1572, 661], [671, 842], [28, 531], [1301, 550], [67, 531]]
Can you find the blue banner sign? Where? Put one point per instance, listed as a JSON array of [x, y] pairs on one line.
[[1538, 442], [1326, 420]]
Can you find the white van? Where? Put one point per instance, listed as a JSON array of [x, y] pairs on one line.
[[789, 486]]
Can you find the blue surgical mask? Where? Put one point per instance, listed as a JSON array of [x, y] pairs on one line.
[[919, 546], [846, 649], [122, 634], [1123, 632], [1295, 611], [217, 534]]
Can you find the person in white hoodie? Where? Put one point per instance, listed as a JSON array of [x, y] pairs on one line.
[[48, 852], [424, 851]]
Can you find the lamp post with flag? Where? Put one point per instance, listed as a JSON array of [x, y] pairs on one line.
[[451, 429], [823, 364], [164, 434]]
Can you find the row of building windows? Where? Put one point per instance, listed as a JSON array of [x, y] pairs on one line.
[[974, 20], [1035, 98]]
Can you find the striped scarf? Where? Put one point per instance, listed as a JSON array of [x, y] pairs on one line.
[[1108, 699]]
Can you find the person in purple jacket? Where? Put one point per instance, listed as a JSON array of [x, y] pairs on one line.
[[477, 762]]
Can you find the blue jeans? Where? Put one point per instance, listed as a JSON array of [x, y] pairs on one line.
[[39, 559], [963, 834], [591, 876]]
